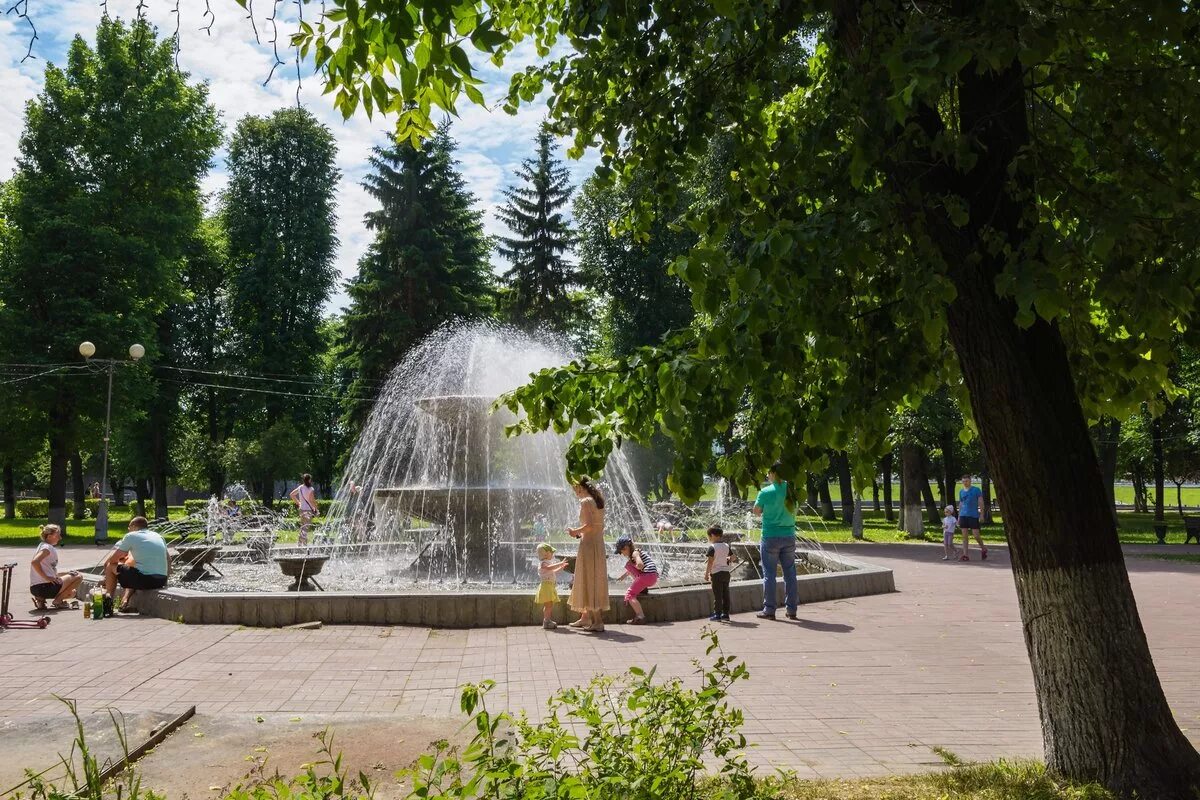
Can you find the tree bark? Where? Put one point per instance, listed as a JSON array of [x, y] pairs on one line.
[[875, 494], [142, 491], [77, 488], [10, 491], [1104, 716], [931, 506], [813, 500], [846, 486], [1159, 468], [826, 499], [1140, 502], [910, 490], [949, 470], [887, 488], [1108, 432], [116, 485]]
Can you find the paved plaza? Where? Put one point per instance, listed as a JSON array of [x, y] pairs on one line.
[[857, 687]]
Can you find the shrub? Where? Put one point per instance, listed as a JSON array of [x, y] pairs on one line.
[[40, 509], [618, 738], [33, 509]]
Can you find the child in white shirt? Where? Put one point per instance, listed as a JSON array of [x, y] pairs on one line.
[[949, 523]]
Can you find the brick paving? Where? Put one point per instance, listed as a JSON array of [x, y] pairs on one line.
[[864, 686]]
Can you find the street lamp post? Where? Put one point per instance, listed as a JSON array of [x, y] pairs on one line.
[[87, 350]]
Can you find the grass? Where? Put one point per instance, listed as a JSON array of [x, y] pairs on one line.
[[1135, 528], [24, 532], [1183, 558], [998, 780], [1124, 494]]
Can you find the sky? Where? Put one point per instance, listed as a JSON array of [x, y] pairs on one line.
[[492, 144]]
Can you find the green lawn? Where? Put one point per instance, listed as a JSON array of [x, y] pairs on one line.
[[1191, 494], [21, 532], [1134, 529]]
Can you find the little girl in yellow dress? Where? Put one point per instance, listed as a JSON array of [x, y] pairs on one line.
[[547, 593]]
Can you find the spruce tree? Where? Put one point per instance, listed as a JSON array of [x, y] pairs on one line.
[[538, 284], [427, 264]]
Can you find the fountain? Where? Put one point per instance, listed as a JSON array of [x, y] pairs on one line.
[[438, 515], [433, 457]]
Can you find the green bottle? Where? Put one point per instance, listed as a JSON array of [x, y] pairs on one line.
[[97, 605]]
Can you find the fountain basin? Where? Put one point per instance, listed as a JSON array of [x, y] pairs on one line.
[[490, 608], [302, 569]]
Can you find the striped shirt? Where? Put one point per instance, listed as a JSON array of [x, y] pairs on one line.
[[648, 564]]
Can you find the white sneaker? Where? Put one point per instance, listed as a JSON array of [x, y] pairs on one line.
[[549, 625]]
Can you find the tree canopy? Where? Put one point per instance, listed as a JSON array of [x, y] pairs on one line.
[[1000, 197]]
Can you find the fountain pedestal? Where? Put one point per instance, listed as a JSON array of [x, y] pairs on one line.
[[474, 504]]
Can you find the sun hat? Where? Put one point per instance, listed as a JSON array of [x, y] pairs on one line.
[[620, 545]]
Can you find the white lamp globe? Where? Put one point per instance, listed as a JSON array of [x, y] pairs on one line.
[[136, 351], [87, 349]]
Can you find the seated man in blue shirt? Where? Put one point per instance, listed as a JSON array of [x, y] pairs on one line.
[[139, 561]]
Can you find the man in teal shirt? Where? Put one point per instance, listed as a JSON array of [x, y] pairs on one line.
[[778, 546], [139, 561]]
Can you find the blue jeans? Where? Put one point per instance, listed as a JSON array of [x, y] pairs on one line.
[[779, 551]]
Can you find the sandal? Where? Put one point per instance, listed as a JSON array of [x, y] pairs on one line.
[[594, 629], [62, 604], [39, 604], [964, 558], [984, 556], [579, 623], [636, 621]]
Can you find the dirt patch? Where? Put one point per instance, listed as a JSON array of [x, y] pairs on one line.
[[221, 752]]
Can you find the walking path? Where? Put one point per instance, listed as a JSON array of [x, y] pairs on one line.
[[857, 687]]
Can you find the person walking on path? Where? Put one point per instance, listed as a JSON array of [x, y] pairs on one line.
[[970, 511], [949, 523], [778, 547], [716, 573], [589, 592], [45, 581], [305, 498]]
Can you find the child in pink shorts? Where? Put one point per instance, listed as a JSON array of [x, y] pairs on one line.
[[642, 569]]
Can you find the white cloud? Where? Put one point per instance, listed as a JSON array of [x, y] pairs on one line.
[[235, 66]]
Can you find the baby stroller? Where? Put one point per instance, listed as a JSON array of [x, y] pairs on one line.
[[6, 619]]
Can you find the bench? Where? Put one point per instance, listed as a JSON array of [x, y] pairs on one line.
[[1191, 529]]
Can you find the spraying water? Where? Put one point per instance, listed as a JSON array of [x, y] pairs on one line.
[[434, 478]]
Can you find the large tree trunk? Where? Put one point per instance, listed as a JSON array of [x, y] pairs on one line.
[[1159, 468], [812, 499], [826, 499], [875, 494], [949, 470], [1108, 433], [142, 490], [887, 488], [912, 477], [116, 485], [1103, 713], [77, 488], [846, 486], [10, 491], [931, 506]]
